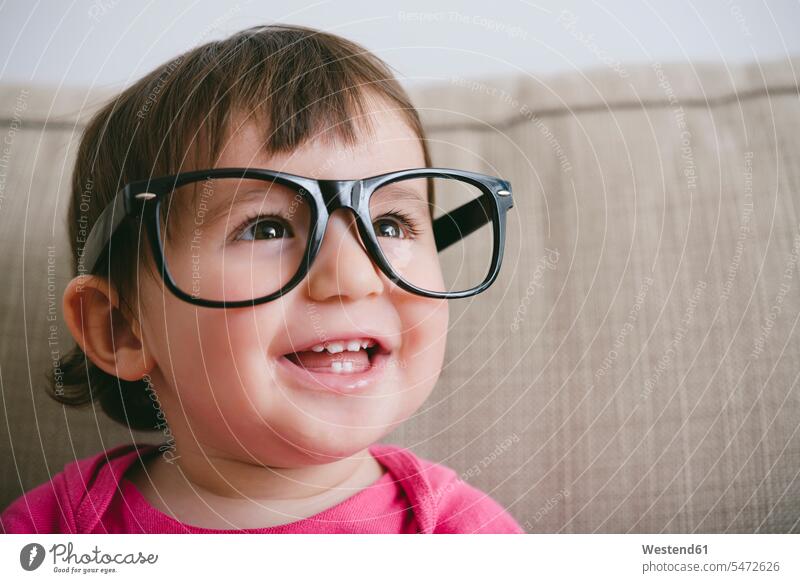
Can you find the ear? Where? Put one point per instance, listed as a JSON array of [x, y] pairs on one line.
[[109, 338]]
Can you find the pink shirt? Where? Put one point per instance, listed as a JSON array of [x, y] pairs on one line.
[[415, 495]]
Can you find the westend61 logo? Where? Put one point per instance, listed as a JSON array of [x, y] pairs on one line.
[[65, 560]]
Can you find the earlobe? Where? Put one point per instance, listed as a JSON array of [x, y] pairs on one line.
[[111, 340]]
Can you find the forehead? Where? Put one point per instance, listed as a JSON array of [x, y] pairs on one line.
[[385, 142]]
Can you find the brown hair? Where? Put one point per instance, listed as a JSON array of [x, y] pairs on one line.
[[296, 80]]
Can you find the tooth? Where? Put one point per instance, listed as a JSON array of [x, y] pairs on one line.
[[354, 346], [336, 365], [348, 366], [318, 348], [334, 347]]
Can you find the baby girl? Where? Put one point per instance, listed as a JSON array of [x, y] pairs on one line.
[[264, 257]]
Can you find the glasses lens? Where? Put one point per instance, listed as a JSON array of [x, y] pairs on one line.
[[234, 239], [437, 233]]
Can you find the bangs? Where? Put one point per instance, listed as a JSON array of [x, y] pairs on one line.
[[296, 83]]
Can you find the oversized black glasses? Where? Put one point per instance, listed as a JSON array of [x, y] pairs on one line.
[[232, 237]]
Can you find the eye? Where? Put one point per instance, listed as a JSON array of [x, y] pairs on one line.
[[396, 225], [386, 228], [262, 228]]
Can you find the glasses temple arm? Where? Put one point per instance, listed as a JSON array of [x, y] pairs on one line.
[[100, 235], [462, 221]]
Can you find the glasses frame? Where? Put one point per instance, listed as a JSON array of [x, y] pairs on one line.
[[143, 199]]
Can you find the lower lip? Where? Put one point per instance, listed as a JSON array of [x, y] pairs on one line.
[[342, 383]]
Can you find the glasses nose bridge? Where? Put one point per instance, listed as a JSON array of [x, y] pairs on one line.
[[340, 194]]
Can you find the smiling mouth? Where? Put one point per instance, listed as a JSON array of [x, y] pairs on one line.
[[343, 357], [345, 367]]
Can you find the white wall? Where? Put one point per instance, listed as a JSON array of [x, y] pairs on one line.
[[111, 42]]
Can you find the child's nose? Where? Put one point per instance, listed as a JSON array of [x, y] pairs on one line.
[[343, 266]]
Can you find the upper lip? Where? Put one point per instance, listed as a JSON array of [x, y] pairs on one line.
[[386, 343]]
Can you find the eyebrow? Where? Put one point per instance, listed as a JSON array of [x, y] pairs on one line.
[[215, 211], [401, 192]]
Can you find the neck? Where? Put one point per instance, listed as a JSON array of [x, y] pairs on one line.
[[236, 494], [220, 475]]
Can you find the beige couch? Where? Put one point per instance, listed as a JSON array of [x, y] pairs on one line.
[[634, 368]]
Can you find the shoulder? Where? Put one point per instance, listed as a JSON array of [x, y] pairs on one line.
[[73, 500], [443, 501]]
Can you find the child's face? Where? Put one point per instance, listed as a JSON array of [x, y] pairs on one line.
[[221, 375]]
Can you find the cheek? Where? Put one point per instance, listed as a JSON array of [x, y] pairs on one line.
[[417, 263], [425, 322], [214, 359], [233, 349]]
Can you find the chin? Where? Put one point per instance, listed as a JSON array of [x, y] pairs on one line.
[[329, 444]]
